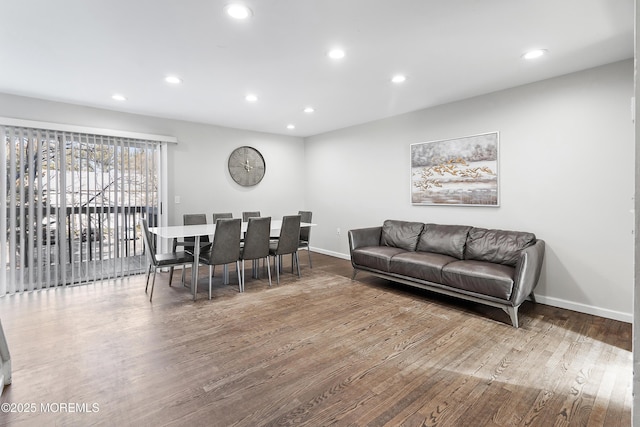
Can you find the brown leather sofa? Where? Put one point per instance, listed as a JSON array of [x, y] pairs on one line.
[[495, 267]]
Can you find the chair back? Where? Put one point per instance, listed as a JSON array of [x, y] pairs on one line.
[[195, 219], [220, 215], [247, 215], [305, 232], [289, 235], [256, 240], [148, 242], [226, 241]]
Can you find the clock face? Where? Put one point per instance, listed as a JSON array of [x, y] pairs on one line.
[[246, 166]]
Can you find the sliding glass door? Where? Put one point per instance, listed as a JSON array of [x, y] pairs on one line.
[[71, 206]]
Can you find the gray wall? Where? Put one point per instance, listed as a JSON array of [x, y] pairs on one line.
[[198, 163], [566, 173]]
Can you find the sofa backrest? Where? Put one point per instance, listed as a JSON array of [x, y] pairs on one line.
[[401, 234], [497, 246], [444, 239]]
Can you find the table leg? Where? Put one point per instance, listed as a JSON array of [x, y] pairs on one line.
[[194, 269]]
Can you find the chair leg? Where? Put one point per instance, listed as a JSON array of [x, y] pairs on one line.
[[170, 275], [255, 264], [276, 265], [148, 275], [243, 278], [295, 254], [268, 269], [309, 253], [240, 281], [210, 276], [153, 284]]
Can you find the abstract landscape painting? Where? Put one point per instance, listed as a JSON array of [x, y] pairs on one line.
[[461, 171]]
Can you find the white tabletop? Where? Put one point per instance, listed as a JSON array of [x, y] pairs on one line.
[[173, 231]]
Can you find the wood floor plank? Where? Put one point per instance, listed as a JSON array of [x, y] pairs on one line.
[[314, 351]]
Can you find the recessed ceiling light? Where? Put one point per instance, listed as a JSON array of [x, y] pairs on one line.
[[309, 110], [251, 98], [533, 54], [173, 80], [291, 126], [238, 11], [336, 54], [398, 78], [118, 97]]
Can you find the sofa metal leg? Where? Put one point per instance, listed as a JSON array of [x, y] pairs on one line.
[[513, 314], [353, 276], [533, 297]]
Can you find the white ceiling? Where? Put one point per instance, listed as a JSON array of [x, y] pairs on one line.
[[83, 51]]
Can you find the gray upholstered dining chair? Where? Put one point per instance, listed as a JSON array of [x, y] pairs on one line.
[[247, 215], [256, 246], [305, 233], [221, 215], [216, 217], [287, 243], [157, 260], [225, 248], [193, 219]]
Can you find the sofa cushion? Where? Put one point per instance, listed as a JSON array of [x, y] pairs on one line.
[[480, 277], [375, 257], [497, 246], [401, 234], [444, 239], [420, 265]]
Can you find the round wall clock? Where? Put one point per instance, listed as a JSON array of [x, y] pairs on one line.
[[246, 166]]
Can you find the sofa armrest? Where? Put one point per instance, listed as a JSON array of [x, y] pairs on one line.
[[362, 237], [527, 272]]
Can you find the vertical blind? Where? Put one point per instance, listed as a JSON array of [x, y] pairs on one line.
[[71, 204]]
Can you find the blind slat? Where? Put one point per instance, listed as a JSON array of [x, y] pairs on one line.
[[71, 205]]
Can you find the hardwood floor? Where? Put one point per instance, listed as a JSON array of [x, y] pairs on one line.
[[320, 350]]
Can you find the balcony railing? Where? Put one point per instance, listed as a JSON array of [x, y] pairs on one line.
[[78, 243]]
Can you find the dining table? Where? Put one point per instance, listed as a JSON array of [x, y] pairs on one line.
[[181, 231]]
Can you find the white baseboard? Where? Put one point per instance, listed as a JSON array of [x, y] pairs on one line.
[[584, 308], [331, 253]]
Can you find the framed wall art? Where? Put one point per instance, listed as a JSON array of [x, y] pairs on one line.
[[461, 171]]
